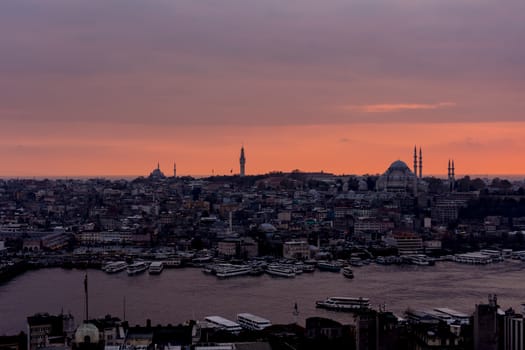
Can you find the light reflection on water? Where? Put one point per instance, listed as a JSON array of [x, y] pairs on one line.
[[182, 294]]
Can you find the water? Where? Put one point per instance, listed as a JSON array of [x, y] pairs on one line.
[[181, 294]]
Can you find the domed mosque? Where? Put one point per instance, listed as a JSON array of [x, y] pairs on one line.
[[157, 174], [399, 178]]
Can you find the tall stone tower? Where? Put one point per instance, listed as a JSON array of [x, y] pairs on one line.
[[242, 162]]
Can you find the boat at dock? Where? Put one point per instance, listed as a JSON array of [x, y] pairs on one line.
[[230, 270], [280, 270], [137, 268], [252, 322], [115, 267], [346, 304], [329, 266], [156, 267]]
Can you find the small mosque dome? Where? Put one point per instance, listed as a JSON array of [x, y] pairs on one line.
[[87, 332], [156, 173], [266, 227]]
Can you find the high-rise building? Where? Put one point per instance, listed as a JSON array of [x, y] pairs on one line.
[[486, 332], [513, 331], [242, 162]]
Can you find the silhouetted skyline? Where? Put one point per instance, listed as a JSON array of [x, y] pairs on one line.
[[97, 88]]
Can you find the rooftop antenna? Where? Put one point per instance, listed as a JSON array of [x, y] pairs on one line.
[[86, 296]]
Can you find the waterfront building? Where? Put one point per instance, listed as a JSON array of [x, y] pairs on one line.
[[406, 243], [366, 330], [296, 250], [44, 329], [229, 248], [13, 342], [319, 327]]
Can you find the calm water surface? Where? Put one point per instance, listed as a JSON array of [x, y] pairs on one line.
[[182, 294]]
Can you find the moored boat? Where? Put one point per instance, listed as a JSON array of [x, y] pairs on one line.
[[329, 266], [347, 304], [156, 267], [230, 270], [115, 267], [280, 270], [137, 268]]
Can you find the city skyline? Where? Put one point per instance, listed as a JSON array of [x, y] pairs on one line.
[[93, 88]]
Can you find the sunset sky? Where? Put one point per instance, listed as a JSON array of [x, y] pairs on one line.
[[111, 87]]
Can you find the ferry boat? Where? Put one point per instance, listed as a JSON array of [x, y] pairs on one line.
[[347, 272], [347, 304], [224, 324], [280, 270], [115, 267], [156, 267], [328, 266], [252, 322], [229, 270], [137, 268]]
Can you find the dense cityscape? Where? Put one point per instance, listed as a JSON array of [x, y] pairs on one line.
[[279, 224], [262, 175]]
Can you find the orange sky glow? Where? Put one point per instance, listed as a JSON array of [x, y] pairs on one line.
[[90, 88]]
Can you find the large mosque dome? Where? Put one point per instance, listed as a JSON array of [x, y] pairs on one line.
[[397, 178]]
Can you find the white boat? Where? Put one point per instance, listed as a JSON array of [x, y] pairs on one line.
[[224, 324], [230, 270], [347, 304], [156, 267], [329, 266], [252, 322], [280, 270], [137, 268], [347, 272], [115, 267]]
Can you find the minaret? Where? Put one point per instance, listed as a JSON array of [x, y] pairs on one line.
[[415, 171], [453, 175], [415, 161], [420, 163], [450, 175], [242, 162], [174, 169]]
